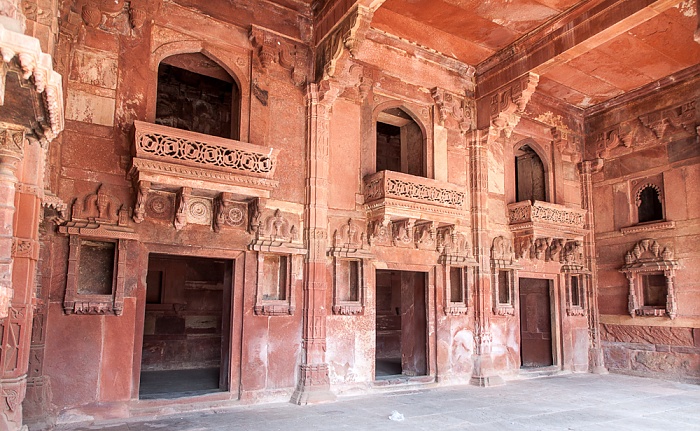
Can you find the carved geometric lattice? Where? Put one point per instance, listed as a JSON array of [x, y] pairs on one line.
[[395, 187], [179, 148], [539, 211]]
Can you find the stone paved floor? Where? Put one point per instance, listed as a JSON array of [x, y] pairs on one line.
[[570, 402]]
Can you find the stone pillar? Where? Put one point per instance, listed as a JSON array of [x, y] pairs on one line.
[[23, 142], [13, 310], [483, 374], [314, 383], [11, 146], [596, 363]]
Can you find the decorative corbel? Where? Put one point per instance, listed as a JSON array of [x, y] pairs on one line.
[[142, 189], [183, 196], [508, 104], [344, 42]]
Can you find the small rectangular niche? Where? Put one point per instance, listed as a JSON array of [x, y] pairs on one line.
[[504, 292], [96, 267], [274, 277], [575, 298], [456, 280], [348, 287], [95, 277], [654, 290], [274, 296]]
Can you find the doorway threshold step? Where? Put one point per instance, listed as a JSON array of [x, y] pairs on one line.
[[403, 381], [535, 372]]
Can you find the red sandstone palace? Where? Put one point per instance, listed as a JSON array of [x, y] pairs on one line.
[[208, 202]]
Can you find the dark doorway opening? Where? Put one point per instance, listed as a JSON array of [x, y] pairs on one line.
[[196, 94], [185, 331], [530, 180], [401, 324], [400, 146], [535, 323]]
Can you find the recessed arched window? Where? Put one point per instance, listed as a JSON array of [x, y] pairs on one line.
[[530, 177], [649, 206], [400, 146], [196, 94]]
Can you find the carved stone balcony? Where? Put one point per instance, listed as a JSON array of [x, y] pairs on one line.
[[173, 158], [542, 219], [395, 196]]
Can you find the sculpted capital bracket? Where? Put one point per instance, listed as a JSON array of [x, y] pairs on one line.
[[508, 103], [343, 43], [271, 49]]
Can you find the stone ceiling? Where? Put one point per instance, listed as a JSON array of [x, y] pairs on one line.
[[585, 52], [625, 52]]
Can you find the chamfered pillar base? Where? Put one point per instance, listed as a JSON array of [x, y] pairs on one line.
[[483, 374], [314, 385], [12, 391]]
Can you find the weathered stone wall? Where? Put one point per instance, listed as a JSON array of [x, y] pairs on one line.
[[109, 59], [651, 140]]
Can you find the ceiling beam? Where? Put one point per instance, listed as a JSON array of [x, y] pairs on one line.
[[582, 28]]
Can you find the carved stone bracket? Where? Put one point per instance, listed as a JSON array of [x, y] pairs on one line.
[[273, 49], [647, 258], [657, 126], [274, 230], [462, 109], [508, 103], [350, 240], [454, 247], [344, 42]]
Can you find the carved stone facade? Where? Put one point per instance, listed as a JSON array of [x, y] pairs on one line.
[[368, 211]]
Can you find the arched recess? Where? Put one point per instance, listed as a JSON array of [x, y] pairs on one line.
[[227, 63], [532, 174], [394, 124], [649, 201]]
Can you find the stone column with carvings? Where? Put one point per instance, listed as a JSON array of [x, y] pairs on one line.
[[314, 383], [26, 76], [595, 351], [483, 374], [11, 146]]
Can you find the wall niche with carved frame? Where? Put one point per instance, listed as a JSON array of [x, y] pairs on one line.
[[458, 265], [504, 268], [280, 254], [650, 271], [647, 205], [98, 235], [351, 257]]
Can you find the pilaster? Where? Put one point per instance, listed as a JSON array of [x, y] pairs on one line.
[[595, 350], [314, 382], [484, 373]]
